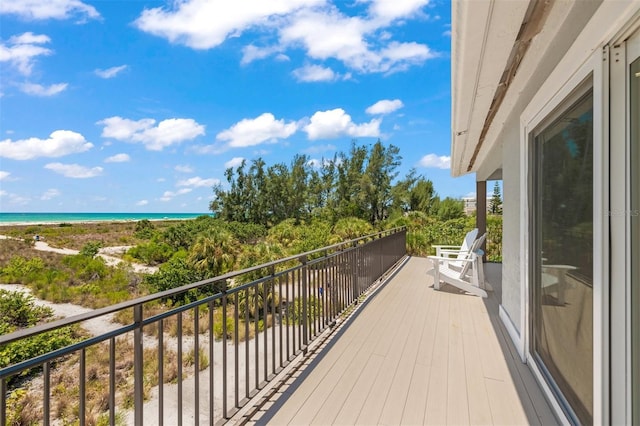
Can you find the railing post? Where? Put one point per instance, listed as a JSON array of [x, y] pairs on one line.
[[305, 320], [138, 366]]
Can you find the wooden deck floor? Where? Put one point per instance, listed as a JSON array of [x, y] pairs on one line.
[[413, 355]]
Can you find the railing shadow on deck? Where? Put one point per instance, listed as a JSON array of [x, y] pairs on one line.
[[314, 289], [288, 383]]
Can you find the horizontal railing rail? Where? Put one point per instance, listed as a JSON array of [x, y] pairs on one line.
[[204, 359]]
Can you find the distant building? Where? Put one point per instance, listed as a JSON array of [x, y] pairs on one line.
[[470, 205]]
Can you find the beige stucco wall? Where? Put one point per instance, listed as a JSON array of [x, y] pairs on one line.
[[511, 282]]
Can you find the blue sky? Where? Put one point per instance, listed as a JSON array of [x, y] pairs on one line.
[[140, 106]]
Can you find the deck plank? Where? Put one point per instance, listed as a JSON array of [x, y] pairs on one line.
[[415, 355]]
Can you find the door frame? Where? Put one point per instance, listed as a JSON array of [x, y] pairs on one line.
[[623, 51]]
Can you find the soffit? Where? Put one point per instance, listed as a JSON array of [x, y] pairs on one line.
[[483, 36]]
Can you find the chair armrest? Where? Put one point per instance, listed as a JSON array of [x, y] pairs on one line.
[[448, 259]]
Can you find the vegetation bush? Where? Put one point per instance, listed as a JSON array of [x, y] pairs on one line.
[[91, 248], [151, 253], [17, 311]]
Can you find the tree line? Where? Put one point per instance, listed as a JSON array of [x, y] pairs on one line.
[[361, 183]]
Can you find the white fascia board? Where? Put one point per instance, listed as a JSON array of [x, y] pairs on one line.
[[483, 35]]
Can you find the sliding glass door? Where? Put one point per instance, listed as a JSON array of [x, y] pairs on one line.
[[562, 254]]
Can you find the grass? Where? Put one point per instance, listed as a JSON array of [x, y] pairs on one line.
[[170, 324], [76, 235]]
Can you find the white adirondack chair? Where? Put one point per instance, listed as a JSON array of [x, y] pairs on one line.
[[448, 251], [464, 272]]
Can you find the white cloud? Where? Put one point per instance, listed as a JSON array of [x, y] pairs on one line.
[[154, 138], [251, 53], [142, 203], [4, 175], [169, 195], [197, 182], [16, 199], [336, 122], [390, 10], [355, 41], [3, 193], [110, 72], [315, 163], [59, 144], [40, 90], [362, 43], [233, 163], [48, 9], [22, 50], [75, 171], [183, 168], [203, 24], [118, 158], [251, 132], [384, 106], [49, 194], [313, 73], [436, 162], [398, 56]]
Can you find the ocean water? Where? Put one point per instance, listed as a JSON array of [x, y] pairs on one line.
[[46, 218]]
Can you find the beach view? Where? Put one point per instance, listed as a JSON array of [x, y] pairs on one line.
[[197, 197]]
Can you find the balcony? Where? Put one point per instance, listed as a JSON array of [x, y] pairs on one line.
[[355, 334]]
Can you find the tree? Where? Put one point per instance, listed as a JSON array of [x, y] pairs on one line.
[[214, 252], [375, 183], [495, 205], [450, 208]]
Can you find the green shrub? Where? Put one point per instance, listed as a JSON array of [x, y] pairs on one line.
[[91, 248], [151, 253]]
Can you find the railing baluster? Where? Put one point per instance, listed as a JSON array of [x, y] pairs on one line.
[[112, 381], [236, 348], [83, 392], [287, 315], [224, 354], [247, 300], [161, 372], [196, 365], [138, 373], [272, 286], [256, 331], [179, 337], [3, 401], [46, 406], [305, 321], [212, 339], [280, 319], [265, 329]]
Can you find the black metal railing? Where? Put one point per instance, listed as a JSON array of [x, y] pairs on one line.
[[202, 360]]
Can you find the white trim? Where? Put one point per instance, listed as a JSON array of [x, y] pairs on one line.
[[601, 285], [546, 390], [619, 295], [546, 105], [632, 54], [513, 333]]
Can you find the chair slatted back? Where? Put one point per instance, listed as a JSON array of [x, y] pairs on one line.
[[471, 253]]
